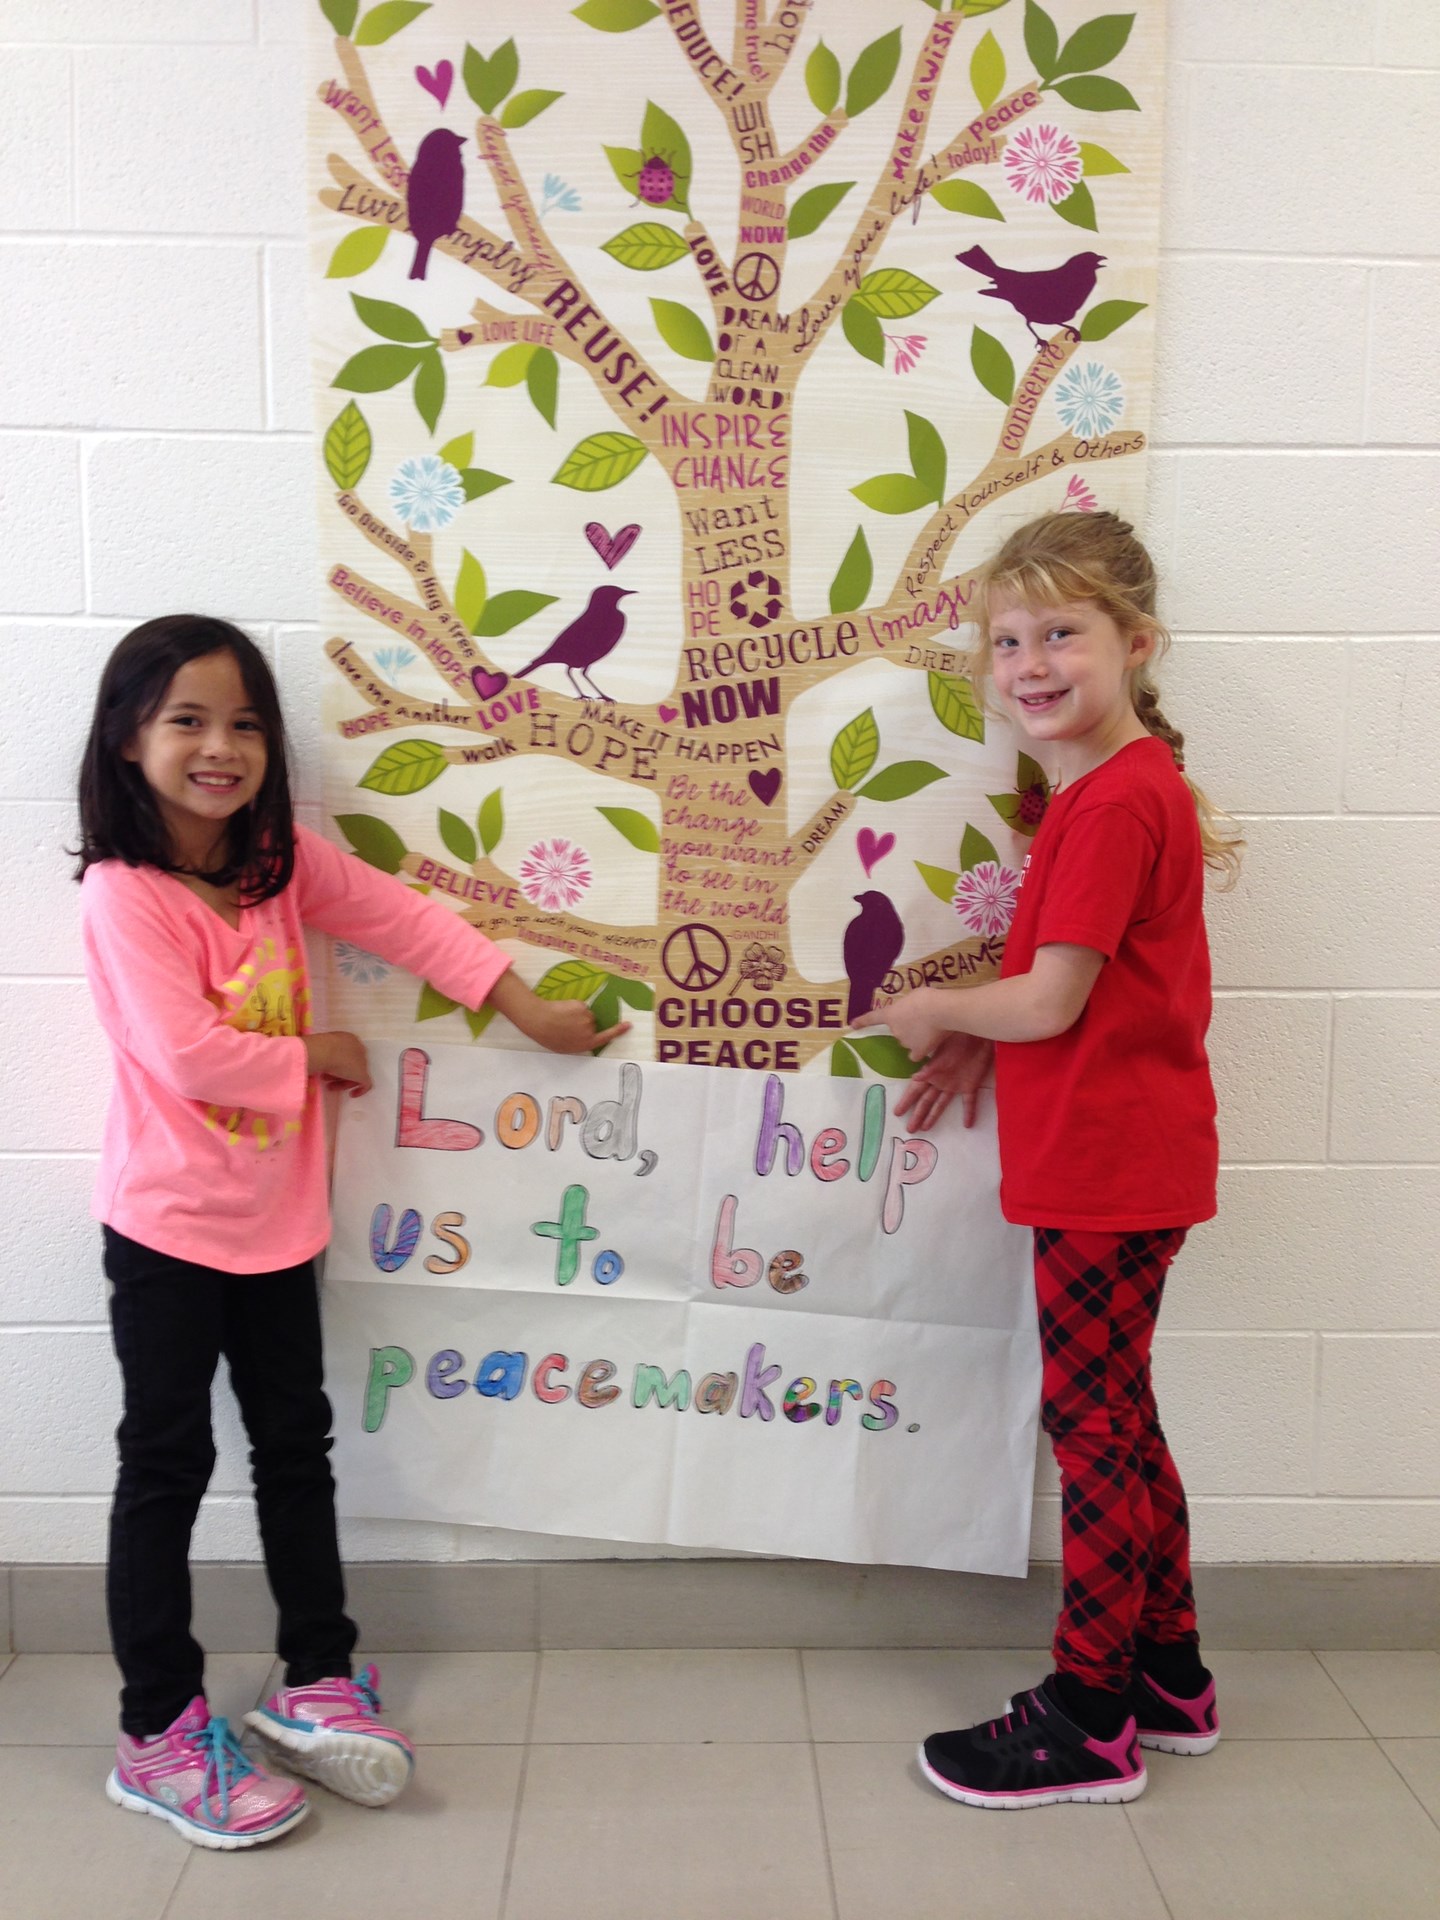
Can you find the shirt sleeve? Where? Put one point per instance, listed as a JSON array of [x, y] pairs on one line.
[[1099, 876], [343, 896], [149, 994]]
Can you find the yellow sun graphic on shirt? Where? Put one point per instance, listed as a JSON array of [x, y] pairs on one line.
[[267, 995]]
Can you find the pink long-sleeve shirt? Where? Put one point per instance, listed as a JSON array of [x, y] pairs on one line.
[[214, 1146]]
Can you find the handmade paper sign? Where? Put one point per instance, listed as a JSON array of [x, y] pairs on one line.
[[677, 364]]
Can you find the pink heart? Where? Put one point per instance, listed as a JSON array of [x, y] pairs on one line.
[[667, 714], [873, 848], [439, 82], [487, 685], [611, 547], [765, 785]]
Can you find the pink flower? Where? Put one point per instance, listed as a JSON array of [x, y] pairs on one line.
[[555, 874], [908, 349], [985, 897], [1042, 164], [1078, 497]]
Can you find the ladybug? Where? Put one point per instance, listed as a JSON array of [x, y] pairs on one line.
[[656, 182], [1033, 802]]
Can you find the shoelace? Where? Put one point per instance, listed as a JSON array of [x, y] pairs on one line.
[[225, 1765], [369, 1697]]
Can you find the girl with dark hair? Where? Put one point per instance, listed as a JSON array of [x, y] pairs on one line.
[[197, 887]]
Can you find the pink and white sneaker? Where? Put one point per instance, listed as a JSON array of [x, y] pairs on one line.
[[331, 1732], [195, 1776], [1172, 1722]]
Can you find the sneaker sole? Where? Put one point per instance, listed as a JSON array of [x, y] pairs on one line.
[[1100, 1792], [357, 1766], [1186, 1743], [191, 1830]]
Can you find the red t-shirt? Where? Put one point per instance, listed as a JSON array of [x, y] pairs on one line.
[[1110, 1126]]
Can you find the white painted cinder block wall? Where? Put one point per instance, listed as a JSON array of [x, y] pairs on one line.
[[155, 453]]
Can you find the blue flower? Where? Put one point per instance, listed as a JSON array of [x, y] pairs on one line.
[[1089, 399], [427, 493], [365, 969], [559, 196], [394, 660]]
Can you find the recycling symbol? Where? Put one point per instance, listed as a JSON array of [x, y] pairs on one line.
[[767, 610]]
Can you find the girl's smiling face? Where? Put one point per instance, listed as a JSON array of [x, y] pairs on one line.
[[203, 755], [1064, 673]]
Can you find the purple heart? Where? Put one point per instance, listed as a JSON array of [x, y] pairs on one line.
[[611, 547], [439, 82], [487, 685], [765, 785], [873, 848], [667, 714], [464, 338]]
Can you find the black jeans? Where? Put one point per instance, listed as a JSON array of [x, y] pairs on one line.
[[172, 1321]]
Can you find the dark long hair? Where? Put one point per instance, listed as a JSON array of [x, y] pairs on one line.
[[119, 819]]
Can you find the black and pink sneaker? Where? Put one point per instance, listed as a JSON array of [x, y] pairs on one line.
[[1174, 1723], [1033, 1756]]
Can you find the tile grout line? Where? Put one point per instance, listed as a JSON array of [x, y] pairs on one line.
[[1149, 1863], [1433, 1818], [520, 1783], [819, 1789]]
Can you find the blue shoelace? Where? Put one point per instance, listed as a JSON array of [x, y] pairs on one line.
[[364, 1685], [225, 1764]]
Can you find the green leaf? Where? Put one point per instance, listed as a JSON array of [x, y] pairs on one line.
[[638, 828], [509, 366], [1007, 805], [405, 767], [682, 331], [899, 781], [1109, 317], [646, 247], [348, 446], [964, 196], [1030, 773], [974, 848], [488, 81], [507, 610], [894, 292], [634, 993], [616, 16], [341, 14], [972, 9], [1096, 43], [987, 70], [460, 451], [854, 749], [1096, 93], [843, 1063], [883, 1053], [853, 577], [478, 1018], [1097, 160], [599, 461], [927, 455], [542, 383], [872, 73], [816, 205], [458, 838], [376, 367], [1042, 39], [660, 134], [376, 841], [863, 330], [570, 980], [625, 163], [432, 1004], [892, 493], [1078, 207], [430, 388], [940, 880], [356, 252], [526, 107], [471, 591], [491, 820], [382, 23], [994, 368], [822, 78], [954, 705], [392, 322], [478, 482]]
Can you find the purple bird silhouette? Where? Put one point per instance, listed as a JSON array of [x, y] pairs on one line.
[[436, 193], [589, 638], [1052, 297], [871, 947]]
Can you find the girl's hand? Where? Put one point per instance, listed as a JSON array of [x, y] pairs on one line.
[[340, 1059], [960, 1066], [564, 1026], [911, 1019]]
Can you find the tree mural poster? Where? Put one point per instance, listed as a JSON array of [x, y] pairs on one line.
[[677, 362]]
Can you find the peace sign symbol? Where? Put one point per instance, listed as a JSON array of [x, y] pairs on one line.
[[756, 276], [696, 957]]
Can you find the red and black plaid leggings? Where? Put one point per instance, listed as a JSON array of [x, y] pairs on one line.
[[1125, 1526]]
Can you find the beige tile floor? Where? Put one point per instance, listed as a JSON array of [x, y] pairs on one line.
[[754, 1786]]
